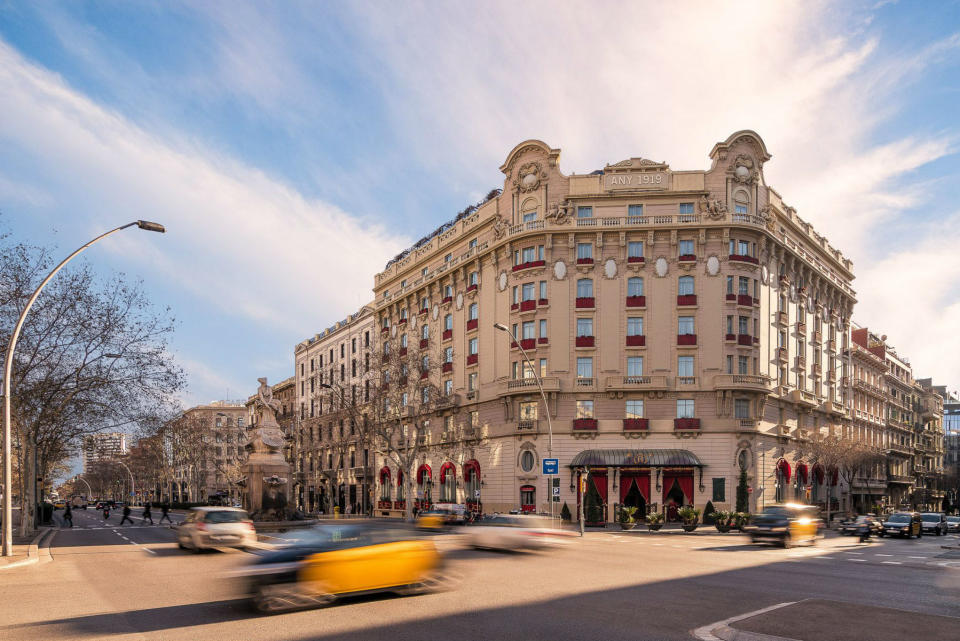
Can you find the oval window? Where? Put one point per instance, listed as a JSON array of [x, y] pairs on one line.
[[527, 461]]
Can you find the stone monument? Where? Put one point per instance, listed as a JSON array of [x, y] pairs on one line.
[[267, 484]]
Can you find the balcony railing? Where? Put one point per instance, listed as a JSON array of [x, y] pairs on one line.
[[527, 425], [589, 424], [745, 300], [472, 323], [472, 359], [624, 383], [687, 258], [584, 381], [745, 339], [756, 382], [585, 341], [686, 339], [529, 265], [686, 300], [447, 334], [636, 301], [743, 259], [686, 423], [636, 341], [686, 380], [528, 305], [585, 302], [635, 424]]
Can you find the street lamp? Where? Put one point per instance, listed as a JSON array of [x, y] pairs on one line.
[[7, 371], [543, 395]]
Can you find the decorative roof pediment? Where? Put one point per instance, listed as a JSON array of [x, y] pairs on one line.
[[634, 164]]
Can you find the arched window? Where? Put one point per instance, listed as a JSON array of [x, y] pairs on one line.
[[400, 491], [448, 483], [471, 481], [385, 483]]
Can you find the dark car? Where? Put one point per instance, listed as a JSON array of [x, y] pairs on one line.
[[857, 523], [953, 524], [905, 524], [934, 523]]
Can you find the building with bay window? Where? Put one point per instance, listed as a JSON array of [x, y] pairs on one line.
[[685, 325]]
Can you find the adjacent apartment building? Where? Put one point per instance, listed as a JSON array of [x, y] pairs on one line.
[[208, 452], [685, 324], [97, 447]]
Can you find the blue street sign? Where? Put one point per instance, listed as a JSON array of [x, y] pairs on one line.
[[551, 466]]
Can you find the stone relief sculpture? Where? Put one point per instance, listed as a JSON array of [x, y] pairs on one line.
[[499, 226], [559, 212], [713, 209]]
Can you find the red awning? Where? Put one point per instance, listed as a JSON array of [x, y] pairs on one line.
[[783, 468], [447, 468], [470, 468], [384, 475], [399, 478], [424, 473], [818, 473], [802, 473]]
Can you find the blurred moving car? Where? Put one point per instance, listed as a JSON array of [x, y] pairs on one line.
[[431, 520], [786, 524], [905, 524], [59, 504], [934, 523], [857, 523], [213, 527], [442, 514], [515, 532], [331, 561], [953, 524]]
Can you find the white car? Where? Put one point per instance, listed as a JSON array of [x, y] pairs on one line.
[[215, 527], [515, 532]]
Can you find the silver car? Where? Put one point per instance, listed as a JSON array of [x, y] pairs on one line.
[[216, 527], [514, 532]]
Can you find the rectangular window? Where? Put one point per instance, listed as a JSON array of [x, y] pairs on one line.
[[743, 325], [543, 289], [403, 341], [528, 411], [472, 381], [543, 328], [729, 324], [744, 286], [635, 326], [529, 254], [742, 364], [720, 490], [686, 248], [635, 286], [474, 278], [584, 327], [425, 331], [634, 409], [473, 311], [685, 325], [584, 250], [529, 330], [448, 322], [730, 284], [635, 249], [685, 408], [527, 370], [543, 367], [585, 288], [448, 291], [686, 208], [472, 243], [448, 355], [529, 217], [635, 366], [685, 286], [634, 210], [741, 408], [447, 387], [584, 367], [685, 366], [472, 346], [528, 291], [729, 364], [584, 212], [584, 409], [743, 248]]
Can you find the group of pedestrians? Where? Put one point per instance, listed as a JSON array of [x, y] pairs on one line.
[[146, 516]]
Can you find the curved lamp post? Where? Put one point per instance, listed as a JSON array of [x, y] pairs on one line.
[[546, 406], [7, 370]]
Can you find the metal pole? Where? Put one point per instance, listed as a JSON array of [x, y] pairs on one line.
[[7, 372], [132, 486], [546, 407], [89, 489]]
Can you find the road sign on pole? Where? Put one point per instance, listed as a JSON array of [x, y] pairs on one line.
[[551, 466]]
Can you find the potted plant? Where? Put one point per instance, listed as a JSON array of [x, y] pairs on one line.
[[654, 521], [740, 519], [723, 520], [627, 522], [689, 515]]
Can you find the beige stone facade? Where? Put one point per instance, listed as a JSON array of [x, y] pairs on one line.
[[690, 312], [333, 465], [212, 469]]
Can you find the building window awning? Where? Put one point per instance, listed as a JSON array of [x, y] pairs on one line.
[[636, 458]]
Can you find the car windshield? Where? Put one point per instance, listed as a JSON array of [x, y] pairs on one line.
[[226, 516], [930, 517], [899, 518], [776, 511], [954, 519]]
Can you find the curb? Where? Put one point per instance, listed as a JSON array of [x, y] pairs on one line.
[[721, 630], [32, 551]]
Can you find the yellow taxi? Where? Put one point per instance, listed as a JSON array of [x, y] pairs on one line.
[[787, 524], [431, 520], [328, 562]]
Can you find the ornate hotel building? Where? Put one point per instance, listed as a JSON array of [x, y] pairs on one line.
[[685, 324]]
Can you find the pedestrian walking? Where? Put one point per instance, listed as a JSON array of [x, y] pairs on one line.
[[68, 515], [126, 515], [165, 513], [146, 514]]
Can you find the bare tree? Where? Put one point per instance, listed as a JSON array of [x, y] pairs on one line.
[[840, 455], [92, 357]]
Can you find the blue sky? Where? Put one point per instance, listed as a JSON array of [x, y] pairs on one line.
[[275, 139]]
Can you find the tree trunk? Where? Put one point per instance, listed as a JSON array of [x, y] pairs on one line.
[[411, 496], [28, 498]]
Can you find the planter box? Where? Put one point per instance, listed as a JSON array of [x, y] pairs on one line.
[[585, 424], [543, 302], [627, 526], [687, 300], [686, 339], [653, 527], [634, 424], [690, 527], [402, 321], [636, 301], [585, 341], [636, 341]]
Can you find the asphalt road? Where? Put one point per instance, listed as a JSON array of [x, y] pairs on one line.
[[132, 582]]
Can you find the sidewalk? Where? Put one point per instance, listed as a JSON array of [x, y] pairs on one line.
[[822, 620], [26, 551]]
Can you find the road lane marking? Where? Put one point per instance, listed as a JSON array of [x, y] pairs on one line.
[[890, 562], [853, 552], [860, 560], [882, 555], [916, 557]]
